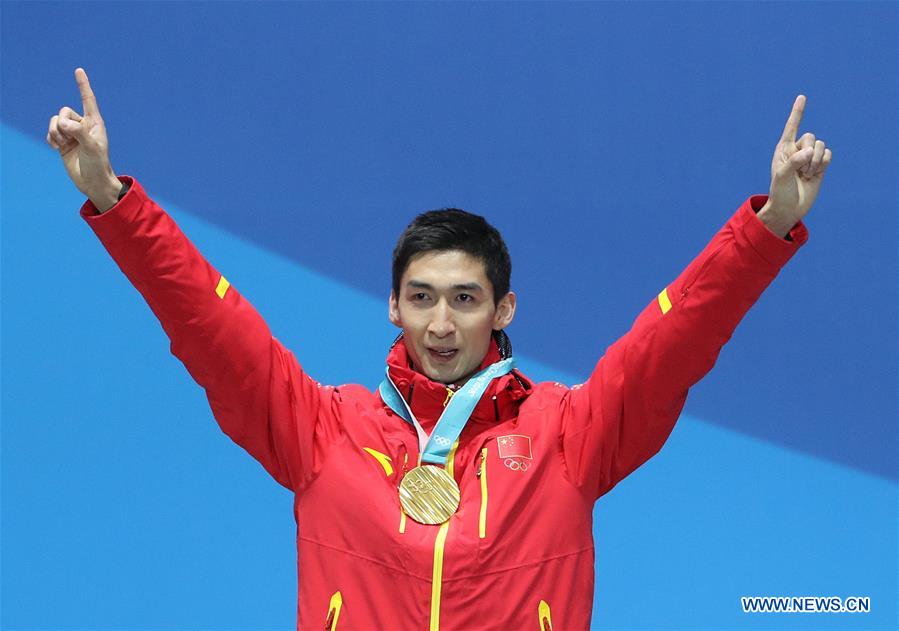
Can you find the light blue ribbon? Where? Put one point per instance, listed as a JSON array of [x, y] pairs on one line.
[[455, 415]]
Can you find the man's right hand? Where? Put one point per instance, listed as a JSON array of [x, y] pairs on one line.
[[81, 141]]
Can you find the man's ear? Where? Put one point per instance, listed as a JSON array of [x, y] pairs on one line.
[[505, 311], [393, 310]]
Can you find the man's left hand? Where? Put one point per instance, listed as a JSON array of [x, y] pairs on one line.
[[797, 171]]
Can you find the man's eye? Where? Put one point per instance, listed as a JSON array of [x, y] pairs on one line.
[[466, 297], [419, 296]]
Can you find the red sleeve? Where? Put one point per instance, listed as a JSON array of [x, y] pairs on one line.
[[623, 414], [257, 390]]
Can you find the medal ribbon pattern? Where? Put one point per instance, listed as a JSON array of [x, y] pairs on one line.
[[435, 448]]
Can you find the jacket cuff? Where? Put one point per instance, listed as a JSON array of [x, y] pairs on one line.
[[118, 220], [775, 250]]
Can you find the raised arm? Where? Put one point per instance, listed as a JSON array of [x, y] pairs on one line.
[[623, 414], [257, 390]]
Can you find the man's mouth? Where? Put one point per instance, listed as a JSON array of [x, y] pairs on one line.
[[443, 355]]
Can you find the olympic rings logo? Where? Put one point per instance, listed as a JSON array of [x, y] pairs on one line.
[[516, 465], [419, 486]]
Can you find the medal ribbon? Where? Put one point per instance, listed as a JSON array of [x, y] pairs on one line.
[[435, 449]]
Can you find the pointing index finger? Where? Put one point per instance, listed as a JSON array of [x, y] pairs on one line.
[[792, 125], [88, 100]]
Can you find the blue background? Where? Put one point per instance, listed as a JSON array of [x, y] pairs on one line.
[[294, 141]]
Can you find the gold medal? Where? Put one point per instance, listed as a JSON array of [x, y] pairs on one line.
[[429, 494]]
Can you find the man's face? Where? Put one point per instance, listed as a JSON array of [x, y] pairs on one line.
[[445, 308]]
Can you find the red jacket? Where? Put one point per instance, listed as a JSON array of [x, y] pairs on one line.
[[530, 463]]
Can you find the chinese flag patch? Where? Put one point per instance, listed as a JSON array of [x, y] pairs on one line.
[[514, 446]]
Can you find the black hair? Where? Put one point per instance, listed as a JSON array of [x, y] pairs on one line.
[[455, 229]]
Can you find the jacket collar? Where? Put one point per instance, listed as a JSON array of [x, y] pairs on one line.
[[428, 398]]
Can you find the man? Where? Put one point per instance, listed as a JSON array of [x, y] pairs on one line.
[[459, 494]]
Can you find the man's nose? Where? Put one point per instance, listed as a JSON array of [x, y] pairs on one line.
[[441, 321]]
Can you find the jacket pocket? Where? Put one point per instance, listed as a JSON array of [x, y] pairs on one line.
[[482, 475], [688, 282], [544, 617], [333, 611]]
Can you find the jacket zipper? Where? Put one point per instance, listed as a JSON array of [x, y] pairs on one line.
[[402, 512], [439, 543], [449, 395], [482, 475]]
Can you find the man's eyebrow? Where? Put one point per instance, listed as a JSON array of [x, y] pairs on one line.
[[468, 287], [458, 286]]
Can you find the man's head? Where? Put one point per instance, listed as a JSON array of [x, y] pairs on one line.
[[451, 273]]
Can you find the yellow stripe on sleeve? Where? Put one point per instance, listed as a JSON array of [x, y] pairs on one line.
[[664, 302], [222, 287]]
